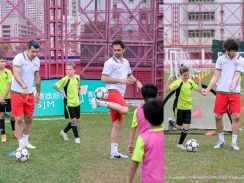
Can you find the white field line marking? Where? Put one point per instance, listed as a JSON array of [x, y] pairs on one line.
[[208, 177]]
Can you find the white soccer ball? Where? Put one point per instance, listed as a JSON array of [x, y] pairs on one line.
[[192, 145], [22, 154], [101, 93]]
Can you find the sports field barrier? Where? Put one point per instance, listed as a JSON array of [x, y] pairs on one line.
[[51, 103]]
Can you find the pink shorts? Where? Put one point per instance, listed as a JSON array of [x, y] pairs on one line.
[[116, 97], [232, 102], [22, 104]]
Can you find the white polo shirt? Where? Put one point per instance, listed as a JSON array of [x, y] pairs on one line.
[[27, 71], [228, 68], [119, 69]]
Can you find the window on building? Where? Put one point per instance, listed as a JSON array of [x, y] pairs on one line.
[[201, 33], [207, 16]]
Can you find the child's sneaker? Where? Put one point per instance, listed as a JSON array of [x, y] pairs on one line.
[[64, 136], [235, 147], [219, 144], [181, 146], [118, 156], [14, 135], [4, 138], [94, 103], [77, 140]]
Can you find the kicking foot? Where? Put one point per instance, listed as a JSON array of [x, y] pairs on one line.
[[181, 146]]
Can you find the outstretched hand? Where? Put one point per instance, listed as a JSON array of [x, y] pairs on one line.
[[204, 92]]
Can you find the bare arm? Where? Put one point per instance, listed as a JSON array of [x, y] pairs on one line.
[[131, 140], [199, 79], [212, 82], [37, 80], [2, 100], [16, 73], [110, 80], [135, 81], [59, 90], [235, 81], [133, 167], [168, 83]]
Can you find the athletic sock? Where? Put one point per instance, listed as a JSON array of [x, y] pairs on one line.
[[183, 135], [2, 126], [21, 142], [25, 138], [102, 103], [114, 148], [75, 130], [221, 136], [234, 138], [12, 124], [67, 128]]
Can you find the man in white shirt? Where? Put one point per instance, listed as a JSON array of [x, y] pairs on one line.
[[116, 74], [26, 67], [229, 68]]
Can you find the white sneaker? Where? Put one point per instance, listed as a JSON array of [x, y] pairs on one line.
[[219, 144], [181, 146], [77, 140], [64, 136], [29, 146], [235, 147], [118, 155], [94, 103]]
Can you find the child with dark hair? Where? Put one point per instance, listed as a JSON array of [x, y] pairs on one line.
[[149, 149], [183, 103], [148, 91]]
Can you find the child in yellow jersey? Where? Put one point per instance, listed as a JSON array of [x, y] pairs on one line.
[[71, 85], [5, 104], [183, 102]]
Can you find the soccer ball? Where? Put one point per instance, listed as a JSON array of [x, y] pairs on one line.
[[22, 154], [101, 93], [192, 145]]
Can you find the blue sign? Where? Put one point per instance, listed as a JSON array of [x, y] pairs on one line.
[[51, 103]]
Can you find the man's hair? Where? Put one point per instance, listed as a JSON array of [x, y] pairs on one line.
[[2, 57], [183, 69], [231, 45], [118, 42], [154, 111], [149, 91], [71, 64], [33, 43]]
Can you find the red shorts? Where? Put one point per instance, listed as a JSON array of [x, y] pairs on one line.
[[116, 97], [232, 102], [22, 104]]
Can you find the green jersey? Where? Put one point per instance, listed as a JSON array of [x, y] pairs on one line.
[[5, 79], [71, 88], [184, 100]]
